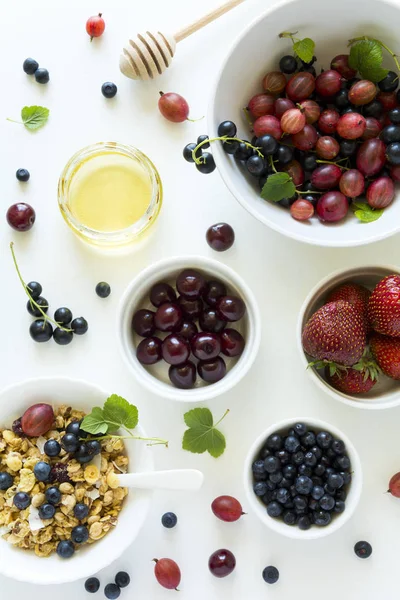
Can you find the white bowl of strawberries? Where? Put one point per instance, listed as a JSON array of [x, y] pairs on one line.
[[349, 336]]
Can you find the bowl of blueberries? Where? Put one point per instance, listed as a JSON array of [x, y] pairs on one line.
[[189, 328], [303, 478]]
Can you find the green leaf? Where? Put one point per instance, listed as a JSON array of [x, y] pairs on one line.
[[34, 117], [304, 49], [117, 411], [366, 58], [94, 422], [277, 187], [202, 435], [365, 213]]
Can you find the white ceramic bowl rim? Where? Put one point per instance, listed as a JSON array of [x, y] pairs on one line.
[[220, 270], [292, 531]]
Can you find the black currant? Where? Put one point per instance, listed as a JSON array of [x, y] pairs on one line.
[[207, 165], [41, 330]]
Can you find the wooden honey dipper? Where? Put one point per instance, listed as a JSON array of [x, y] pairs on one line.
[[150, 54]]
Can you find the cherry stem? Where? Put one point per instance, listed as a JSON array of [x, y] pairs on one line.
[[367, 38], [222, 418], [31, 300], [224, 138]]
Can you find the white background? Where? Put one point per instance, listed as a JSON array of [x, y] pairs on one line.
[[280, 271]]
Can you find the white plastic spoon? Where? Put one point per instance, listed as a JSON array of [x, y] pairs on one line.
[[177, 479]]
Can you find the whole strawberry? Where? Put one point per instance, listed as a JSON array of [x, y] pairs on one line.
[[386, 351], [356, 295], [384, 306], [336, 332], [358, 379]]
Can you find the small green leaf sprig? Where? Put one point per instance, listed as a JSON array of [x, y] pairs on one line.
[[366, 56], [303, 48], [203, 435], [117, 413], [33, 117]]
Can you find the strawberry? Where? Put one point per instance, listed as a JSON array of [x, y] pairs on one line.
[[336, 332], [356, 295], [386, 351], [384, 306], [359, 379]]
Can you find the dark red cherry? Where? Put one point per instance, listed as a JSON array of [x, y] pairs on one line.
[[168, 317], [232, 343], [230, 308], [143, 322], [175, 349], [206, 346], [192, 309], [183, 376], [187, 330], [210, 322], [212, 371], [191, 283], [220, 237], [215, 289], [149, 351], [161, 293]]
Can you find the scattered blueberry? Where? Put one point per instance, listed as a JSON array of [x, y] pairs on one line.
[[93, 447], [169, 520], [270, 574], [122, 579], [22, 500], [42, 75], [81, 511], [80, 534], [82, 455], [74, 427], [327, 502], [103, 290], [53, 495], [272, 464], [22, 174], [300, 429], [109, 89], [70, 442], [30, 65], [363, 549], [6, 481], [47, 511], [65, 549], [79, 326], [112, 591], [92, 585], [52, 448], [304, 485]]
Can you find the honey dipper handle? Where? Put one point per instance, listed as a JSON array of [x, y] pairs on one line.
[[211, 16]]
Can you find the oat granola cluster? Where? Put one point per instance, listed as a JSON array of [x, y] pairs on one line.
[[93, 484]]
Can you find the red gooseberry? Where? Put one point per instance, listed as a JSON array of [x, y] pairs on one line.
[[293, 121], [371, 157], [274, 82], [300, 86], [395, 172], [351, 126], [332, 206], [341, 64], [311, 109], [301, 210], [268, 124], [388, 100], [352, 183], [362, 92], [372, 128], [295, 171], [380, 192], [282, 105], [326, 177], [261, 104], [305, 139], [327, 147], [328, 120], [328, 83]]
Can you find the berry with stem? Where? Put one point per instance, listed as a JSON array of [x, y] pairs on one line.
[[227, 508], [173, 107], [95, 26], [394, 485], [260, 105], [167, 573]]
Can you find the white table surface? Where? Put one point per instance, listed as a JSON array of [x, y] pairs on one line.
[[280, 271]]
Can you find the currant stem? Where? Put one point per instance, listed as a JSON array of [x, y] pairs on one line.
[[155, 441], [287, 34], [248, 119], [224, 138], [271, 162], [331, 162], [31, 300], [14, 121], [367, 38]]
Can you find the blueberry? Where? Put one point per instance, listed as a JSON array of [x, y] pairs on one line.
[[260, 476], [274, 442], [6, 481], [282, 495], [33, 309], [373, 109], [260, 488], [321, 518], [270, 574], [82, 455], [317, 492], [65, 549], [42, 75], [93, 447], [122, 578], [70, 442], [80, 534], [272, 464], [112, 591], [169, 519], [363, 549], [103, 289], [81, 511], [292, 444], [227, 128], [304, 522], [346, 477], [288, 64], [274, 509], [298, 458], [304, 470], [308, 439], [316, 451], [289, 517], [74, 427], [52, 448], [335, 481], [23, 175], [22, 500], [339, 506], [265, 452], [313, 504], [283, 456], [92, 585], [304, 484], [109, 89], [258, 467], [79, 326], [285, 483], [268, 497], [343, 462], [47, 511], [289, 471], [300, 429], [270, 485], [325, 461], [324, 439], [53, 495], [63, 316], [327, 502], [30, 65], [276, 477], [317, 481], [300, 503]]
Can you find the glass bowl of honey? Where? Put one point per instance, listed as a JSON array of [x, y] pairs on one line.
[[110, 194]]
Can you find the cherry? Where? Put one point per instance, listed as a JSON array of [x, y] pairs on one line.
[[380, 193], [328, 83], [232, 343], [143, 322], [95, 26], [352, 183], [230, 308], [210, 322], [372, 128], [326, 177], [183, 376], [268, 125], [206, 345], [191, 283], [187, 330], [341, 64], [221, 563], [332, 206], [394, 485], [161, 293], [351, 126], [300, 86], [305, 139], [173, 107], [37, 420], [227, 508], [212, 371], [327, 147], [371, 157], [215, 289], [175, 349], [362, 92], [293, 121], [312, 111], [302, 209], [168, 317], [282, 105], [220, 237], [21, 216], [274, 82], [167, 573], [148, 351], [192, 309], [260, 105]]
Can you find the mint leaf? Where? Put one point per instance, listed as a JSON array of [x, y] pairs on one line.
[[304, 49], [277, 187], [94, 422], [34, 117], [202, 434], [117, 411], [366, 58], [365, 213]]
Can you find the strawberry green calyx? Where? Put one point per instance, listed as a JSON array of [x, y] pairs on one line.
[[334, 368], [368, 366]]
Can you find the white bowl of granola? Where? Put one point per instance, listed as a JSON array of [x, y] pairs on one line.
[[25, 539]]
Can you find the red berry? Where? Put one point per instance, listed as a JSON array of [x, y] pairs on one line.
[[341, 64], [351, 126], [371, 157], [356, 295], [386, 351], [362, 92], [384, 306], [95, 26], [267, 125], [380, 192], [327, 147], [232, 342], [395, 172], [301, 210], [394, 485], [326, 177], [352, 183], [293, 121], [21, 216], [295, 171], [282, 105], [173, 107], [332, 206], [305, 139], [311, 110], [167, 573], [261, 104], [388, 100], [37, 420], [274, 82], [351, 381], [372, 128], [227, 508], [221, 563], [300, 86], [328, 120], [328, 83]]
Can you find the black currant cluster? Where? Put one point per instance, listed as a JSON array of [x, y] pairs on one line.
[[207, 164], [41, 330], [303, 476]]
